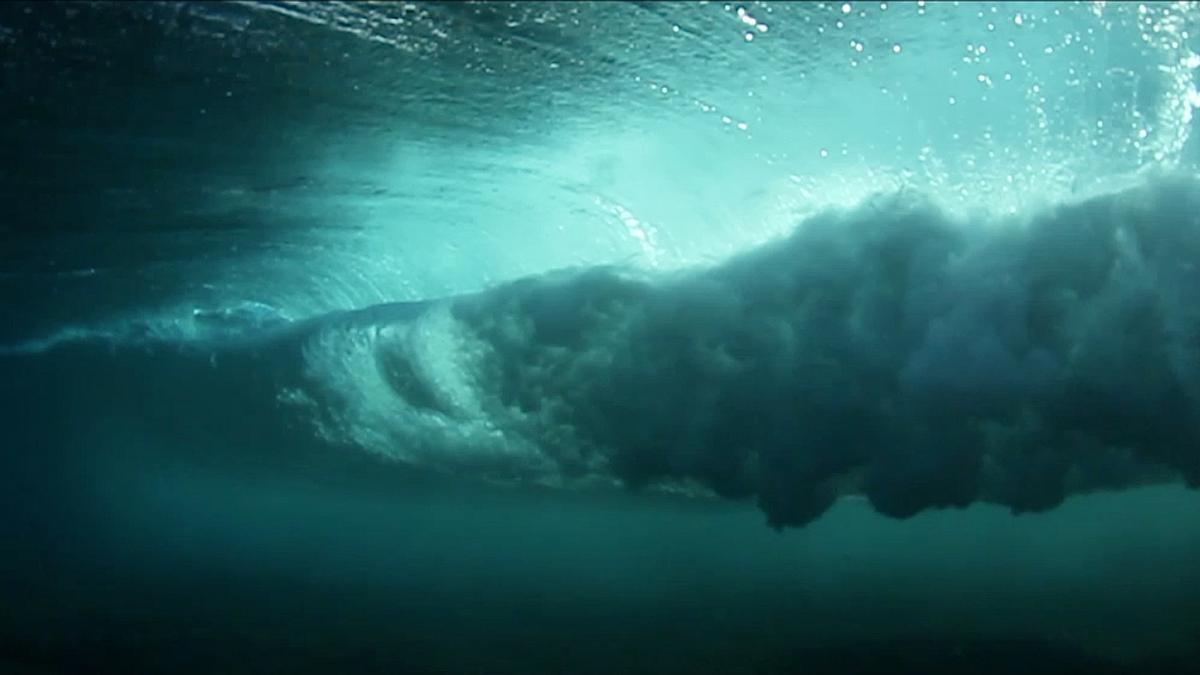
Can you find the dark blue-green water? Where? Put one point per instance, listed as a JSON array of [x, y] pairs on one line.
[[599, 337]]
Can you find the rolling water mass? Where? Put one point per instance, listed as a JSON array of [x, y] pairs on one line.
[[569, 337]]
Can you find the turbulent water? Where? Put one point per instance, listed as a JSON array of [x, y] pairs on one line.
[[599, 337]]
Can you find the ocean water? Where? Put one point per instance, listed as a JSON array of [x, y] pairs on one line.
[[557, 337]]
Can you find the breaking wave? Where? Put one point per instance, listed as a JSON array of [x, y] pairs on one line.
[[889, 350]]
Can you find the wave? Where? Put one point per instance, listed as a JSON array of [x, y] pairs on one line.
[[889, 350]]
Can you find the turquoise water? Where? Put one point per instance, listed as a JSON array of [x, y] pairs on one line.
[[599, 337]]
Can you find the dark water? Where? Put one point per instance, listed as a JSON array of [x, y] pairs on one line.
[[198, 536], [430, 338]]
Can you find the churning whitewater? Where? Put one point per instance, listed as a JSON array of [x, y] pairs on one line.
[[888, 349]]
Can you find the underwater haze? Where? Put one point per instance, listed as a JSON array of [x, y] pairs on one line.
[[568, 337]]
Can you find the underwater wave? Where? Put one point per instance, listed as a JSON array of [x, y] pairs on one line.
[[467, 337], [889, 350]]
